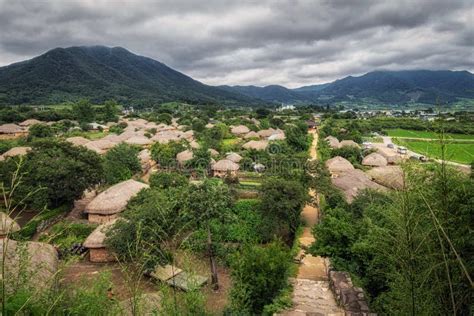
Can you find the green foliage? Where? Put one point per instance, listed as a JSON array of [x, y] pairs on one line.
[[282, 201], [198, 125], [110, 111], [351, 153], [259, 273], [165, 118], [40, 131], [165, 180], [121, 163], [83, 111], [297, 137], [28, 230], [66, 234], [165, 154], [54, 172]]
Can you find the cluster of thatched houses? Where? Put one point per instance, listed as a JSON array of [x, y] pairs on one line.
[[383, 174]]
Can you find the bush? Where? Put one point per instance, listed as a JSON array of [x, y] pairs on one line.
[[165, 180], [121, 163], [259, 273], [66, 234]]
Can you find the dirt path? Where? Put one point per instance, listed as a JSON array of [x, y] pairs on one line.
[[311, 294]]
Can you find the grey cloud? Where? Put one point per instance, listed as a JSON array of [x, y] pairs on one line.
[[248, 42]]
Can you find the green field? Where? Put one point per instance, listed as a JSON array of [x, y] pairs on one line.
[[462, 152], [424, 134]]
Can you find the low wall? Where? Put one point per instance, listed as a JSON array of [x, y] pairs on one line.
[[348, 297]]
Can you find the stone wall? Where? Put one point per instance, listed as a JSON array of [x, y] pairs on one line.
[[348, 297], [101, 219], [100, 255]]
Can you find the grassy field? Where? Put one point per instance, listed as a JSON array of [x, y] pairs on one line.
[[462, 152], [425, 134]]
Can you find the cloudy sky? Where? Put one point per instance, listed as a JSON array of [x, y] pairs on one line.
[[260, 42]]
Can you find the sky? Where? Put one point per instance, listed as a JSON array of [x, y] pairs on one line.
[[260, 42]]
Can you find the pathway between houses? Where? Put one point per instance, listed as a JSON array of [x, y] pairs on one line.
[[311, 294]]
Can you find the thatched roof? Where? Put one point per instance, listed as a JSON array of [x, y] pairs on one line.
[[338, 164], [240, 130], [349, 143], [144, 156], [115, 199], [184, 156], [225, 165], [96, 239], [256, 144], [30, 122], [251, 134], [167, 136], [353, 182], [10, 129], [374, 160], [209, 125], [188, 135], [194, 144], [39, 260], [277, 136], [390, 154], [332, 141], [114, 138], [16, 151], [78, 140], [7, 224], [139, 140], [234, 157], [388, 176], [213, 152], [266, 132], [100, 146]]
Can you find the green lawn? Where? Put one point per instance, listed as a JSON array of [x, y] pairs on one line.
[[398, 132], [456, 151]]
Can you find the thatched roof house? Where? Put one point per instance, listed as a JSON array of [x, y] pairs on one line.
[[145, 159], [38, 260], [234, 157], [213, 152], [100, 146], [95, 242], [78, 140], [167, 136], [240, 130], [184, 156], [188, 135], [353, 182], [224, 167], [390, 154], [256, 144], [388, 176], [7, 225], [12, 129], [332, 141], [194, 144], [16, 151], [105, 206], [374, 160], [266, 132], [348, 143], [251, 134], [209, 125], [29, 122], [277, 136], [139, 140], [337, 165]]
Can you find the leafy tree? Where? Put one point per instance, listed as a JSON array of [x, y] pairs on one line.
[[297, 137], [262, 113], [198, 125], [121, 163], [259, 273], [40, 131], [282, 201], [165, 154], [201, 159], [165, 180], [205, 203], [61, 170], [110, 111], [165, 118], [83, 111]]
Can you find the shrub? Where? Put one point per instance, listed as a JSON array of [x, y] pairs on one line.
[[121, 163], [165, 180]]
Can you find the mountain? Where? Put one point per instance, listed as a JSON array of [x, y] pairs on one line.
[[389, 87], [100, 73]]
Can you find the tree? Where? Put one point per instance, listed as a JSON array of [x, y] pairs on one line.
[[40, 131], [198, 125], [204, 203], [297, 137], [258, 275], [110, 111], [165, 180], [59, 169], [282, 201], [121, 163], [165, 154], [83, 111], [165, 118]]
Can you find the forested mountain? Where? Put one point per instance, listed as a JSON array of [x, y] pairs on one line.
[[100, 73], [389, 87]]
